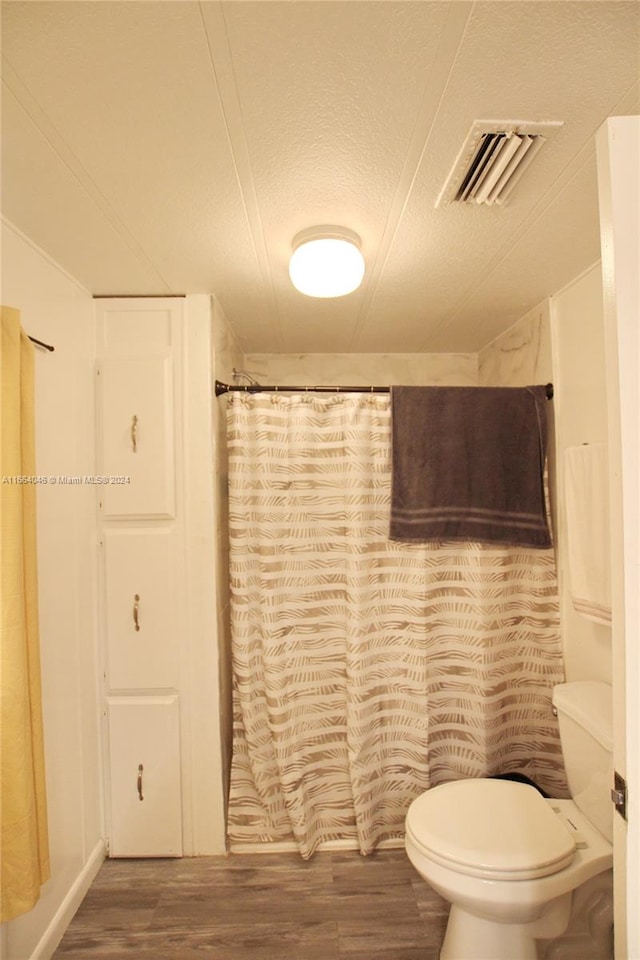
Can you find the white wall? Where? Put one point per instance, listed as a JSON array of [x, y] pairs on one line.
[[207, 680], [520, 356], [55, 309], [579, 374]]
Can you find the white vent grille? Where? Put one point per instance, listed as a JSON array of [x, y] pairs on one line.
[[492, 160]]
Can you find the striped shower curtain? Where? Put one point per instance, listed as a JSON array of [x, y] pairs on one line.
[[366, 670]]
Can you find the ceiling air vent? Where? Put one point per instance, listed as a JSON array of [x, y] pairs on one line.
[[493, 158]]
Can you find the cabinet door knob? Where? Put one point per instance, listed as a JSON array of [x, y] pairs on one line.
[[139, 782], [136, 603], [134, 434]]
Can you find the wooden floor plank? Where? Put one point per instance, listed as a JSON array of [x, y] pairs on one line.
[[336, 906]]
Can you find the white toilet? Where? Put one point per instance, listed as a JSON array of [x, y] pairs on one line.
[[506, 858]]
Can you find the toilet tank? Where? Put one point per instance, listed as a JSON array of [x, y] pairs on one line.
[[585, 719]]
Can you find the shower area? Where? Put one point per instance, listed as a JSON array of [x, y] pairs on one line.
[[366, 670]]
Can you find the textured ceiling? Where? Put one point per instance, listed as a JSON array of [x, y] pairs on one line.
[[178, 147]]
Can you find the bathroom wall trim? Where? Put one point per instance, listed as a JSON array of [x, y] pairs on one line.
[[65, 912]]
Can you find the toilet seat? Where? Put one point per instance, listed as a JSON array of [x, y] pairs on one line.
[[494, 829]]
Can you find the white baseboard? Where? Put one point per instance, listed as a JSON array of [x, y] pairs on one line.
[[64, 915]]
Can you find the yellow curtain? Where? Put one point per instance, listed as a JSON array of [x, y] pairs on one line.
[[24, 854]]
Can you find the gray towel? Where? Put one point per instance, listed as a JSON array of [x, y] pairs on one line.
[[468, 464]]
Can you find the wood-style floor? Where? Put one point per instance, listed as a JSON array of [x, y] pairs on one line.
[[259, 907]]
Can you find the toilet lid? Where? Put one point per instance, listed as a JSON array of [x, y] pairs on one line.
[[497, 829]]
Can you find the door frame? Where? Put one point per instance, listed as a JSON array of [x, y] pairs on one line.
[[618, 162]]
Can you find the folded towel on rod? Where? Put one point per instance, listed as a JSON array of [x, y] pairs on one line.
[[468, 464], [586, 483]]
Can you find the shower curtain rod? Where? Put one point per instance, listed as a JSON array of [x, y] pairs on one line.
[[258, 388]]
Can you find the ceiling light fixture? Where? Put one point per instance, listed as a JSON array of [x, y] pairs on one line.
[[326, 262]]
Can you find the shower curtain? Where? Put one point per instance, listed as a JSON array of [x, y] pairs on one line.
[[24, 846], [366, 670]]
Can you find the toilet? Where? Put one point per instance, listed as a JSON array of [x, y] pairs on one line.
[[507, 858]]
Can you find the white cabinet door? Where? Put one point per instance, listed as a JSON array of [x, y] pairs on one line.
[[140, 326], [135, 400], [141, 620], [144, 748]]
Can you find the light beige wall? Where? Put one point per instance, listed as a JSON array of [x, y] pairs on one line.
[[364, 369], [522, 355], [577, 326], [55, 309]]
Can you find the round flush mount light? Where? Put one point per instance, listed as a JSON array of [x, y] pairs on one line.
[[326, 262]]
